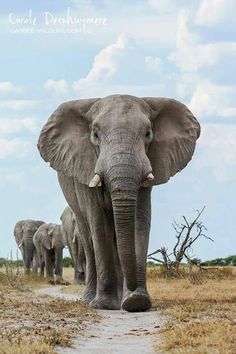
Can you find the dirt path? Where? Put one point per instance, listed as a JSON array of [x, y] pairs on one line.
[[118, 332]]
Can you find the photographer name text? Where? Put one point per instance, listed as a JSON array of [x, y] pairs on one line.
[[49, 19]]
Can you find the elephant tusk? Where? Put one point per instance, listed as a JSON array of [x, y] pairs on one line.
[[95, 182], [150, 177]]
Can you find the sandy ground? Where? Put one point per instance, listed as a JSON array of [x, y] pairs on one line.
[[117, 332]]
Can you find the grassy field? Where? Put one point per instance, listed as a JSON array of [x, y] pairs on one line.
[[200, 310], [35, 324]]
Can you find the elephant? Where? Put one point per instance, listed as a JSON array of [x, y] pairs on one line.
[[24, 231], [73, 241], [49, 244], [108, 153]]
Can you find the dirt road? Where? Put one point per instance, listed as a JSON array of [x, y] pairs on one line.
[[118, 332]]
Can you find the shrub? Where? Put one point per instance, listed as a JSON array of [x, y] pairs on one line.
[[67, 262]]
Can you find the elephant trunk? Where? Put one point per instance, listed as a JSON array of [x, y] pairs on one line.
[[123, 179], [124, 216], [28, 249]]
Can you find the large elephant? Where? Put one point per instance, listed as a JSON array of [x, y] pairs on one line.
[[73, 241], [24, 231], [49, 244], [124, 145]]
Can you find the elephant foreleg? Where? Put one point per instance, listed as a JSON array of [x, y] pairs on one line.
[[49, 264], [42, 267], [107, 295], [58, 264]]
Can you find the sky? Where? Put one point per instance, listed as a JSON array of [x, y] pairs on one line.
[[180, 49]]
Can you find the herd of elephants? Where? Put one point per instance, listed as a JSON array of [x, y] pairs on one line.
[[108, 153]]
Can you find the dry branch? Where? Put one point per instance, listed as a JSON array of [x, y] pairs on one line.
[[187, 233]]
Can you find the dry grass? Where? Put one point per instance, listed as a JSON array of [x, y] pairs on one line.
[[200, 307], [68, 274], [33, 323], [25, 347], [202, 314]]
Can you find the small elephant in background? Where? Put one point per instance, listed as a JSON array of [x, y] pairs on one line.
[[49, 244], [73, 241], [24, 231]]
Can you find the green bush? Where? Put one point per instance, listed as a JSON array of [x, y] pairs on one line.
[[228, 261], [17, 263], [2, 262], [67, 262]]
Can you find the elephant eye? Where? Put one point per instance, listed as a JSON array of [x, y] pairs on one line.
[[95, 137], [148, 136]]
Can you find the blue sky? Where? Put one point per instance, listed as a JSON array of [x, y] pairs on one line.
[[180, 49]]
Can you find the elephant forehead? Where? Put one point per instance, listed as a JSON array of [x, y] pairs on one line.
[[56, 230], [29, 227], [120, 108]]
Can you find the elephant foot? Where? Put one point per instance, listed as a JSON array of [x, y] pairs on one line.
[[61, 281], [136, 301], [105, 303]]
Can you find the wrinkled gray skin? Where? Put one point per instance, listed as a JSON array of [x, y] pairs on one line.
[[73, 241], [49, 244], [122, 139], [24, 231]]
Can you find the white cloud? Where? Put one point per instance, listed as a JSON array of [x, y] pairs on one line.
[[211, 12], [59, 87], [213, 100], [217, 151], [153, 64], [84, 6], [162, 5], [105, 63], [205, 98], [18, 105], [18, 148], [9, 126], [7, 87], [190, 55]]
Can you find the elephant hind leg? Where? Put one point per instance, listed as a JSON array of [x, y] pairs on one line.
[[80, 278], [90, 272], [80, 262]]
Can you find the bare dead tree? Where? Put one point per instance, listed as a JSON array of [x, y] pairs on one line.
[[186, 234]]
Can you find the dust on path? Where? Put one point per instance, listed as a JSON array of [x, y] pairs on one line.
[[117, 332]]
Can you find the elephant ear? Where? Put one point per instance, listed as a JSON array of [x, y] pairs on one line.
[[38, 223], [65, 141], [175, 131], [66, 213], [45, 238], [18, 233]]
